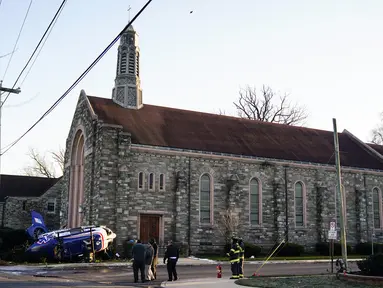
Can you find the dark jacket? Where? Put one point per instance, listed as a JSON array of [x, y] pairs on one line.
[[149, 254], [234, 253], [155, 248], [172, 252], [138, 252]]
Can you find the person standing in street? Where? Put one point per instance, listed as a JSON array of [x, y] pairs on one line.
[[155, 257], [172, 254], [138, 255], [234, 259], [148, 262]]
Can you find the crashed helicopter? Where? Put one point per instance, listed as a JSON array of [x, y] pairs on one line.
[[67, 244]]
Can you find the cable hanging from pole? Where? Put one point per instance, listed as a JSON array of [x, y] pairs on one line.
[[17, 40], [78, 80], [42, 38]]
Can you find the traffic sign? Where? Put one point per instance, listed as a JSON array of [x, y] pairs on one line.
[[332, 226], [332, 235]]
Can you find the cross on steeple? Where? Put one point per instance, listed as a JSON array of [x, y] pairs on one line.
[[129, 13]]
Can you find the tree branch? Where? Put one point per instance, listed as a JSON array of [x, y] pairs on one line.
[[266, 108], [41, 167], [377, 133]]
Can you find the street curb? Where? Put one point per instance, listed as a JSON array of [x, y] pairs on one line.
[[298, 261], [25, 268]]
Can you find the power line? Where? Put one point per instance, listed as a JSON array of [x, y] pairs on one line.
[[42, 46], [30, 58], [17, 40], [22, 103], [76, 82]]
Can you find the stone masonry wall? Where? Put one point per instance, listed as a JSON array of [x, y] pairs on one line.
[[172, 204], [17, 218], [112, 165]]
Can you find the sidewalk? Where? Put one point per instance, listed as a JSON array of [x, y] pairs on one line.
[[202, 283]]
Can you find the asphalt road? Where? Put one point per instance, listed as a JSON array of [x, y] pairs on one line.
[[123, 276]]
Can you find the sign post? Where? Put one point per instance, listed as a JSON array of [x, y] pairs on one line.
[[332, 235]]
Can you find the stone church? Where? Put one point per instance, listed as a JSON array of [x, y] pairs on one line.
[[150, 171]]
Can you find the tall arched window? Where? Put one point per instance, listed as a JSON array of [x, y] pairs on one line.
[[205, 199], [76, 191], [255, 202], [151, 181], [162, 182], [377, 207], [299, 195], [140, 180]]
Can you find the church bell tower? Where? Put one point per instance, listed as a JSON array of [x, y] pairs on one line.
[[127, 91]]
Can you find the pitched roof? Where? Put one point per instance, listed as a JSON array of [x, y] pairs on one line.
[[176, 128], [376, 147], [24, 186]]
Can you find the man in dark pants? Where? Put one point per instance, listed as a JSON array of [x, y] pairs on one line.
[[172, 253], [138, 254], [234, 259]]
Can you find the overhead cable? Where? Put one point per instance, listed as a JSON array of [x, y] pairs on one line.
[[78, 80], [42, 38]]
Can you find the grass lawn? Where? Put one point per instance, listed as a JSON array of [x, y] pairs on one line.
[[299, 282], [222, 258]]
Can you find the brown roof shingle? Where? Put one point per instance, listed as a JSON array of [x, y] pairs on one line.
[[176, 128]]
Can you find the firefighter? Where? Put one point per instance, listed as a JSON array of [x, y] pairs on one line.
[[241, 257], [234, 258]]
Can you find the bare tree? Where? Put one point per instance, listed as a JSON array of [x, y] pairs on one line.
[[265, 107], [43, 167], [377, 133], [228, 223]]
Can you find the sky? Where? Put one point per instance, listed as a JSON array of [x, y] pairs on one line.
[[327, 55]]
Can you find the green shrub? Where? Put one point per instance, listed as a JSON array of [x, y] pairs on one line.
[[252, 250], [10, 238], [365, 248], [289, 249], [372, 266], [184, 248], [323, 249]]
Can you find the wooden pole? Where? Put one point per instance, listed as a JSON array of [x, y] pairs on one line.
[[340, 193]]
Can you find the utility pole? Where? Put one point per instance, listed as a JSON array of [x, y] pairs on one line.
[[340, 193], [10, 90]]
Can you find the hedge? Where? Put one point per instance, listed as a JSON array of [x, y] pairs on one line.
[[10, 238], [372, 266], [365, 248], [323, 249], [289, 249], [250, 250]]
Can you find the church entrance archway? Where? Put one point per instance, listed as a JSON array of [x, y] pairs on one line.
[[76, 192]]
